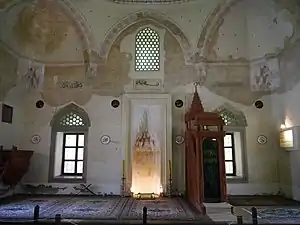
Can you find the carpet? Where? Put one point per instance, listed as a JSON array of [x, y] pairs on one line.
[[261, 201], [24, 209], [282, 215], [159, 209], [100, 208], [93, 208]]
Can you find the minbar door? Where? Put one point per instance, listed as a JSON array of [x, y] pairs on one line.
[[212, 185]]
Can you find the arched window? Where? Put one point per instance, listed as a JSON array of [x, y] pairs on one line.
[[147, 50], [231, 118], [68, 150], [234, 142]]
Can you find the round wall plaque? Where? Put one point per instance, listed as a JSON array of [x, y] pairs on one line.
[[262, 139], [35, 139], [179, 139], [259, 104], [115, 103], [178, 103], [39, 104], [105, 139]]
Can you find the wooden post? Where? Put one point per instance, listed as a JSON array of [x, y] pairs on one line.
[[57, 219], [36, 214], [239, 220], [145, 215], [254, 216]]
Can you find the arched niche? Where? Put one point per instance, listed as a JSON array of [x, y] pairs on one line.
[[71, 108], [138, 17], [69, 125], [235, 128], [117, 52], [231, 116]]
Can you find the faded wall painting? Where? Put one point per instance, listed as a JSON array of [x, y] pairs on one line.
[[146, 149], [31, 74], [265, 76]]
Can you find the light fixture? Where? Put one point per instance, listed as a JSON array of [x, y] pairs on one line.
[[282, 126]]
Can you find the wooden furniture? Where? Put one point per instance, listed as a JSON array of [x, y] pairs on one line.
[[205, 164], [13, 165]]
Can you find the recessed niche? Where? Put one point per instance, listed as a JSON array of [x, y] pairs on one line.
[[39, 104], [115, 103], [259, 104], [7, 113]]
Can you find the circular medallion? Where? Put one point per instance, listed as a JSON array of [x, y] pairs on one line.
[[259, 104], [178, 103], [179, 139], [105, 139], [262, 139], [35, 139], [39, 104], [115, 103]]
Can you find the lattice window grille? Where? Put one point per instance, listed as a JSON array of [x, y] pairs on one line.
[[71, 119], [229, 118], [147, 47]]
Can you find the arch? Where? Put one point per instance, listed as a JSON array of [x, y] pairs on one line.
[[139, 16], [212, 25], [71, 108], [231, 115], [80, 23]]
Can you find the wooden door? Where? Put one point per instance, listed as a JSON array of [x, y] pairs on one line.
[[212, 188]]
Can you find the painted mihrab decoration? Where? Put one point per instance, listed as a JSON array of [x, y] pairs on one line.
[[265, 76], [146, 159]]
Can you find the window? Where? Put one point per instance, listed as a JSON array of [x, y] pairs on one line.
[[147, 50], [68, 150], [73, 152], [228, 118], [71, 119], [230, 166], [234, 143]]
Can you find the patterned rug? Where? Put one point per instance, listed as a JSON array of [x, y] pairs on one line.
[[99, 208], [92, 208], [24, 209], [160, 209], [282, 215]]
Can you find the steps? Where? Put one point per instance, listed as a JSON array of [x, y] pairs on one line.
[[220, 212]]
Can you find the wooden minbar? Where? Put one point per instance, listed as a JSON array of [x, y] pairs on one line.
[[14, 164], [204, 149]]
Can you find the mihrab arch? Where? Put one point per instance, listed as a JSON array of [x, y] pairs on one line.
[[137, 17]]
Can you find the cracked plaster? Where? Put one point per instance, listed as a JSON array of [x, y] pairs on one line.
[[225, 79]]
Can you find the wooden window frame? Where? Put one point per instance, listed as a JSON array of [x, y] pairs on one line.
[[232, 147], [76, 160]]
